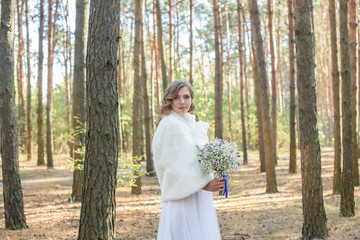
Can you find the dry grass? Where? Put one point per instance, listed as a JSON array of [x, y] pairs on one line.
[[248, 213]]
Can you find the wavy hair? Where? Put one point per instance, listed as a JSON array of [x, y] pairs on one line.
[[170, 94]]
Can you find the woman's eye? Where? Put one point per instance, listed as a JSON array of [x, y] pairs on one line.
[[187, 97]]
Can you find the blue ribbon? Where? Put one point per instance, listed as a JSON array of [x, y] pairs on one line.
[[226, 190]]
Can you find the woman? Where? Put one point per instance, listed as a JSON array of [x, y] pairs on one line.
[[188, 212]]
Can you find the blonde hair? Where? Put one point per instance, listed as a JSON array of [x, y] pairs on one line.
[[170, 94]]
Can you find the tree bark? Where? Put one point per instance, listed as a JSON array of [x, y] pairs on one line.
[[218, 77], [241, 53], [98, 205], [79, 101], [49, 105], [147, 119], [191, 80], [157, 64], [258, 109], [161, 47], [314, 225], [138, 93], [39, 111], [271, 186], [28, 88], [20, 76], [12, 190], [354, 87], [347, 203], [228, 60], [292, 163], [270, 15], [171, 34], [336, 99]]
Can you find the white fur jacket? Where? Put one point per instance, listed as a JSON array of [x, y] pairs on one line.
[[175, 155]]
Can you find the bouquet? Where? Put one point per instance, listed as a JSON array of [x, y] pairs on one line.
[[220, 157]]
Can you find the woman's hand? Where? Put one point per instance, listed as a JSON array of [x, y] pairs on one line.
[[215, 185]]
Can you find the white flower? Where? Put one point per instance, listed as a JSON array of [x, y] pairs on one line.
[[219, 156]]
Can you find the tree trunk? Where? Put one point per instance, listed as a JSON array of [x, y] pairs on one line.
[[191, 80], [28, 88], [51, 53], [218, 77], [292, 163], [314, 225], [171, 34], [336, 100], [98, 205], [241, 53], [270, 15], [40, 137], [156, 41], [79, 101], [347, 203], [147, 119], [137, 126], [271, 186], [258, 109], [280, 96], [160, 46], [20, 76], [229, 84], [12, 190], [67, 61], [354, 87]]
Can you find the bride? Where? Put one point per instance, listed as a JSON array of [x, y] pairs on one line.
[[187, 212]]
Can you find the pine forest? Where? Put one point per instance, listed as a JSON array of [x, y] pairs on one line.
[[83, 87]]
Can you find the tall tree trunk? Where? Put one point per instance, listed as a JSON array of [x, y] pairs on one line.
[[258, 109], [292, 163], [147, 119], [241, 53], [39, 111], [336, 99], [171, 34], [271, 186], [51, 53], [79, 101], [28, 88], [347, 203], [157, 64], [280, 96], [354, 87], [98, 205], [314, 225], [138, 93], [229, 84], [12, 190], [191, 80], [218, 76], [49, 133], [67, 61], [20, 75], [160, 46], [270, 15]]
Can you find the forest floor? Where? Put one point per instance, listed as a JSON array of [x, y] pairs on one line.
[[248, 212]]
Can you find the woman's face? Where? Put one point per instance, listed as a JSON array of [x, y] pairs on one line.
[[181, 104]]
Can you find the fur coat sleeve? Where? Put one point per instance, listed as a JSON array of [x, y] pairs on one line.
[[175, 155]]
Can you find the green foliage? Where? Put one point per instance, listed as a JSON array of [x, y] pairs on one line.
[[130, 171], [61, 125]]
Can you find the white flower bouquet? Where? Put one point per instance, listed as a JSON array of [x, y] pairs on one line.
[[220, 157]]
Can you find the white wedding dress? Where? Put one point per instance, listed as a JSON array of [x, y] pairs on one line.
[[190, 218], [188, 212]]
